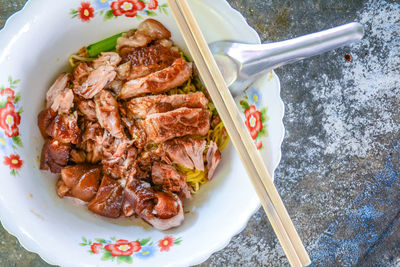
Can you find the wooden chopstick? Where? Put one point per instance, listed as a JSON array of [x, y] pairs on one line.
[[227, 109]]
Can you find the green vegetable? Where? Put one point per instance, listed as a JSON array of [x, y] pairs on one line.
[[105, 45]]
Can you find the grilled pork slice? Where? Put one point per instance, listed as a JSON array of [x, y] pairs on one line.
[[119, 158], [54, 155], [108, 199], [77, 156], [94, 138], [108, 114], [142, 61], [162, 210], [213, 159], [140, 107], [147, 31], [95, 82], [160, 81], [137, 133], [169, 180], [83, 180], [88, 109], [161, 127], [64, 128], [107, 58], [45, 117], [81, 73], [59, 96], [187, 152]]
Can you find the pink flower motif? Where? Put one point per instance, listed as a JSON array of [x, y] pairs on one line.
[[166, 243], [96, 247], [86, 11], [123, 248], [128, 8], [13, 161], [253, 121], [153, 4], [7, 95], [9, 120]]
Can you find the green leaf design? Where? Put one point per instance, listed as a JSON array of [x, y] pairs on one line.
[[244, 104], [109, 15], [144, 241], [21, 110], [3, 104], [263, 132], [100, 240], [2, 88], [107, 256], [10, 80], [17, 140], [74, 13], [102, 12], [82, 244], [14, 147], [113, 238], [151, 243], [127, 259], [84, 240], [178, 241], [14, 173], [139, 17], [90, 251], [164, 5], [165, 11], [16, 82], [18, 97], [151, 13], [264, 116]]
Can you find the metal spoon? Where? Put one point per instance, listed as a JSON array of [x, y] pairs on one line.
[[241, 64]]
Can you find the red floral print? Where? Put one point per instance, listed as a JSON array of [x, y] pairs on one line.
[[7, 95], [253, 121], [166, 243], [128, 8], [13, 161], [96, 247], [9, 120], [86, 11], [123, 248], [259, 145], [153, 4]]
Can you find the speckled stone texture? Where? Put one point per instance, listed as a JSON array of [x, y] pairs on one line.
[[339, 174]]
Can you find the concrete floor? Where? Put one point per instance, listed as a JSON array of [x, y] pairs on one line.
[[339, 174]]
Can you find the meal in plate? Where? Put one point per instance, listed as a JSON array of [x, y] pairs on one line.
[[131, 130]]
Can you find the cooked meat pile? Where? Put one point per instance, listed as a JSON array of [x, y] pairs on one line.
[[115, 136]]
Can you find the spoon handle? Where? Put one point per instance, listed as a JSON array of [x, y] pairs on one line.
[[256, 59]]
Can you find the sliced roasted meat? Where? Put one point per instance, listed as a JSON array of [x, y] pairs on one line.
[[81, 73], [57, 88], [137, 133], [45, 117], [187, 152], [108, 200], [64, 102], [93, 140], [161, 127], [88, 109], [213, 159], [107, 58], [108, 114], [95, 82], [54, 155], [162, 210], [140, 107], [83, 180], [149, 30], [169, 180], [160, 81], [77, 156], [119, 158], [64, 128], [142, 61]]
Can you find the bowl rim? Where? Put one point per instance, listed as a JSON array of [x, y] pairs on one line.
[[13, 229]]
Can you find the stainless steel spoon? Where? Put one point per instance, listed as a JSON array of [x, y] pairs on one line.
[[241, 64]]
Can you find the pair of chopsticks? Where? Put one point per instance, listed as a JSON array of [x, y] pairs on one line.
[[227, 109]]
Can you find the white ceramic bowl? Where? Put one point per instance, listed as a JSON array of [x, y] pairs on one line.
[[34, 48]]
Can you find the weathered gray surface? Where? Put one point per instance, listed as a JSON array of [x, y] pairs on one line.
[[339, 174]]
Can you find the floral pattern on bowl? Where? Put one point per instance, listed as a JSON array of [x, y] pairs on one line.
[[114, 9], [125, 251], [10, 119]]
